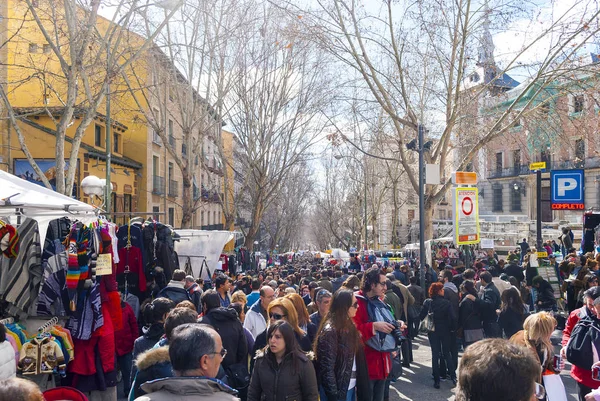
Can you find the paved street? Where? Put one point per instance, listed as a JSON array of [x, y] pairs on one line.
[[416, 383]]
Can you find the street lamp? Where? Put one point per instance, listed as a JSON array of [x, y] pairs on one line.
[[93, 186]]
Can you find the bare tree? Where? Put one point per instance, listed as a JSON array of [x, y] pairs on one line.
[[86, 53], [277, 107], [412, 59]]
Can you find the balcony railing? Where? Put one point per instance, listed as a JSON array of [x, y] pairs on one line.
[[509, 171], [158, 185], [590, 162], [173, 189]]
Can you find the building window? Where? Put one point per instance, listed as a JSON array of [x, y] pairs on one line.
[[499, 164], [156, 213], [202, 218], [517, 161], [171, 137], [474, 77], [515, 198], [98, 136], [183, 149], [116, 147], [215, 217], [33, 48], [47, 48], [208, 217], [580, 149], [172, 217], [170, 171], [411, 215], [155, 165], [545, 156], [497, 200], [578, 103]]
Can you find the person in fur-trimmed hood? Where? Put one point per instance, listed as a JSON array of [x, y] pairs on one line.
[[283, 372], [196, 353]]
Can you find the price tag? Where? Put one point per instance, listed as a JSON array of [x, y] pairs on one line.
[[104, 264]]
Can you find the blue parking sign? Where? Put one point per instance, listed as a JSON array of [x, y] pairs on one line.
[[568, 189]]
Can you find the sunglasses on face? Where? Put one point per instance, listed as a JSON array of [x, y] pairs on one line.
[[276, 316]]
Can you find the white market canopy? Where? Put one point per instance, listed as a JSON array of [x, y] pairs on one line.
[[38, 202]]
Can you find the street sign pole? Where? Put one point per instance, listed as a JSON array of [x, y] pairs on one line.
[[538, 179], [421, 208]]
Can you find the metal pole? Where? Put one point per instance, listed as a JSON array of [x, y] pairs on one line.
[[538, 178], [107, 191], [366, 221], [421, 208]]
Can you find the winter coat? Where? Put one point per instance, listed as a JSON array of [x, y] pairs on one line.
[[40, 356], [304, 344], [513, 270], [225, 321], [195, 293], [443, 315], [394, 302], [146, 341], [580, 375], [511, 322], [530, 273], [125, 338], [326, 284], [406, 299], [282, 382], [8, 365], [378, 363], [188, 389], [175, 293], [418, 294], [334, 366], [469, 315], [489, 303], [451, 294], [151, 365], [337, 283], [545, 295], [255, 321]]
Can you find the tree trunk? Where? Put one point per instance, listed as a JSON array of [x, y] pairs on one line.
[[257, 214], [188, 200], [429, 208]]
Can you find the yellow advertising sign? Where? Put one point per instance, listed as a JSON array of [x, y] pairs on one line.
[[543, 254], [537, 166]]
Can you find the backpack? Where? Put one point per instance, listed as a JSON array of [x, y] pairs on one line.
[[380, 312], [581, 348]]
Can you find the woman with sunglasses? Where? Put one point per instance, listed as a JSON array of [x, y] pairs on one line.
[[282, 309], [282, 371], [341, 363]]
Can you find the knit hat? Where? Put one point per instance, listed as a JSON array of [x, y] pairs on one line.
[[9, 241]]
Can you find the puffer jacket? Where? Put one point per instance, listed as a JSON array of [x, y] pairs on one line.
[[273, 382], [151, 335], [225, 321], [334, 366], [188, 389], [125, 338], [8, 364]]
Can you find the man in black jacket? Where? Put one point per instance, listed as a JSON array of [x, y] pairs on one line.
[[175, 290], [488, 304], [225, 321], [514, 270]]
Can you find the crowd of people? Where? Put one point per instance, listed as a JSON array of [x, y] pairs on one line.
[[304, 331]]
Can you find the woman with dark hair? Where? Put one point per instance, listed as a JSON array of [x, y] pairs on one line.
[[512, 312], [469, 316], [341, 362], [282, 371], [439, 338]]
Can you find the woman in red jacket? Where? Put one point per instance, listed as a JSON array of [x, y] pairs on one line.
[[124, 340]]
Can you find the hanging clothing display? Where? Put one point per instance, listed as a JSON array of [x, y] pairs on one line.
[[41, 355]]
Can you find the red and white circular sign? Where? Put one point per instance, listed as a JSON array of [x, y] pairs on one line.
[[467, 206]]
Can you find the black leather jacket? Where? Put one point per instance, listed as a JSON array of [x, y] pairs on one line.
[[334, 366]]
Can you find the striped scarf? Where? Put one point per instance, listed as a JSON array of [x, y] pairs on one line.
[[78, 260]]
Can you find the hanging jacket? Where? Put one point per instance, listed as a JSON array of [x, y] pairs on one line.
[[130, 259], [41, 355], [125, 338], [8, 365]]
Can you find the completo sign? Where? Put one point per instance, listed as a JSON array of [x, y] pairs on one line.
[[567, 189], [466, 216]]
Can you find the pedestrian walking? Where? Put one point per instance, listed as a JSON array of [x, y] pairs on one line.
[[341, 364], [470, 322], [282, 371], [439, 337]]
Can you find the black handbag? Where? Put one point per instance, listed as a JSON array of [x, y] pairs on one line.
[[238, 376]]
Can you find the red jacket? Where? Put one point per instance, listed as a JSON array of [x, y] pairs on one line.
[[579, 374], [125, 338], [378, 363]]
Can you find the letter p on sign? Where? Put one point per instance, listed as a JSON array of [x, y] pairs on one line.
[[564, 185]]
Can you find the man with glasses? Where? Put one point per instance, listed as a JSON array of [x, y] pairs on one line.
[[196, 353], [323, 301], [373, 287], [497, 370], [256, 318]]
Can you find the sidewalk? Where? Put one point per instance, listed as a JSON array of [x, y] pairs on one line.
[[416, 383]]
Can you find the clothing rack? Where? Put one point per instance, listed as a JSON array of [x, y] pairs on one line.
[[8, 320], [48, 324]]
